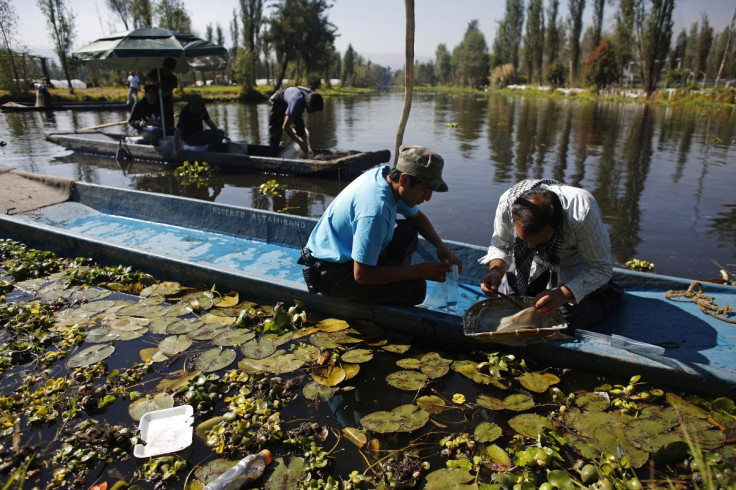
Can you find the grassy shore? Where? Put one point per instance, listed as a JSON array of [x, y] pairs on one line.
[[709, 98]]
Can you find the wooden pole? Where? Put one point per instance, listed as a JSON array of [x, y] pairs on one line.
[[409, 76], [106, 125]]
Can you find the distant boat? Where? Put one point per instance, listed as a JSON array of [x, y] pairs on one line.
[[255, 252], [76, 106], [234, 157]]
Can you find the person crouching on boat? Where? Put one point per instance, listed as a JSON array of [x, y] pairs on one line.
[[146, 117], [190, 127], [359, 251], [287, 115], [549, 242]]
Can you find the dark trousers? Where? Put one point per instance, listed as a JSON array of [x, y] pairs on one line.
[[208, 137], [338, 280], [590, 311], [276, 123]]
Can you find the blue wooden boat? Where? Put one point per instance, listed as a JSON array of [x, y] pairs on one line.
[[255, 253], [235, 156]]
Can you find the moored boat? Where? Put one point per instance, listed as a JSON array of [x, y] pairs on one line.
[[71, 106], [234, 157], [255, 253]]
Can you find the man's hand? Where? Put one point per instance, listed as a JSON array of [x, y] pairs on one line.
[[550, 300], [444, 254], [435, 271], [492, 281]]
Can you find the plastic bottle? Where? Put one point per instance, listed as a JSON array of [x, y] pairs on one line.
[[248, 469]]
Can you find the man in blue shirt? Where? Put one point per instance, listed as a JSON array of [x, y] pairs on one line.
[[359, 251], [287, 115]]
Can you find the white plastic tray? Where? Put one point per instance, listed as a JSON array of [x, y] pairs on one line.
[[165, 431]]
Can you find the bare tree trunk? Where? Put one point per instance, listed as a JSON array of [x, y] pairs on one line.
[[725, 52], [409, 78]]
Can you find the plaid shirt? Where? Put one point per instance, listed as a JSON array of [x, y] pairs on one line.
[[585, 260]]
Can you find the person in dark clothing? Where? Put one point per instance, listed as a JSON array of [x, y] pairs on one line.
[[146, 116], [165, 79], [190, 127], [287, 115]]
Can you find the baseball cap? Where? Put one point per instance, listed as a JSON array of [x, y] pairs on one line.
[[423, 164]]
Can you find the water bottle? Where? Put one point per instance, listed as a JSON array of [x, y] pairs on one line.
[[248, 469], [451, 285]]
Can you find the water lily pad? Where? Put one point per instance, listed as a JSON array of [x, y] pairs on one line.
[[143, 310], [179, 309], [447, 478], [308, 353], [174, 344], [407, 380], [593, 401], [409, 363], [203, 300], [487, 432], [214, 359], [127, 323], [172, 384], [357, 356], [184, 325], [207, 332], [164, 288], [141, 407], [212, 470], [202, 429], [254, 349], [530, 424], [332, 325], [90, 355], [102, 335], [228, 300], [213, 318], [351, 370], [312, 390], [518, 402], [498, 455], [159, 325], [490, 402], [329, 375], [431, 403], [356, 436], [536, 382], [147, 354], [286, 476], [232, 338], [396, 348], [434, 365]]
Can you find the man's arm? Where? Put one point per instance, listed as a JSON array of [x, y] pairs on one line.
[[288, 128], [426, 230]]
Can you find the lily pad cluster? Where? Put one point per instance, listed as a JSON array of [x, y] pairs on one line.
[[86, 351]]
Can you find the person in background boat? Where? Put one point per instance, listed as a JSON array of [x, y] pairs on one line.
[[360, 252], [549, 242], [165, 79], [133, 84], [146, 116], [287, 115], [190, 127]]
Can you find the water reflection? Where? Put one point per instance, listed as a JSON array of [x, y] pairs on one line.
[[663, 176]]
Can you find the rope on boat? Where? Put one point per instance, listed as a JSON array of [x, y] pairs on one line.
[[704, 302]]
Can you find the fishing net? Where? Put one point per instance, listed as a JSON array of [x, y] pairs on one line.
[[511, 321]]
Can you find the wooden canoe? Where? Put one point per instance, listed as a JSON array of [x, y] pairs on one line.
[[255, 252], [79, 106], [236, 157]]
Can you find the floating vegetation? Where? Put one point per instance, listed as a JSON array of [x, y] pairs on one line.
[[197, 174], [272, 188], [639, 265], [86, 351]]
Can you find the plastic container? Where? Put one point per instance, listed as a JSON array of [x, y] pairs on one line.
[[248, 469], [165, 431], [451, 285]]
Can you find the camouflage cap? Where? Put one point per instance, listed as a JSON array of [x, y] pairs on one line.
[[423, 164]]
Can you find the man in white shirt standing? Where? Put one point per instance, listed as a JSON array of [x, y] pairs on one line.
[[550, 242], [134, 84]]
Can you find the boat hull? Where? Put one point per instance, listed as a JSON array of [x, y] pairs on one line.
[[255, 252], [237, 157], [81, 106]]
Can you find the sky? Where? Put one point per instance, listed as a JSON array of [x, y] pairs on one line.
[[375, 28]]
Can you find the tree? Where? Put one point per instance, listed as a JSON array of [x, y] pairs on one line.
[[534, 40], [300, 33], [443, 65], [209, 33], [121, 8], [60, 23], [8, 26], [654, 30], [678, 52], [728, 34], [576, 27], [172, 15], [552, 35], [142, 13], [601, 68], [623, 37], [598, 7], [508, 36], [251, 14], [470, 60], [348, 66], [705, 40]]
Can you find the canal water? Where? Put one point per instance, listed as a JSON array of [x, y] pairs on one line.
[[663, 176]]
